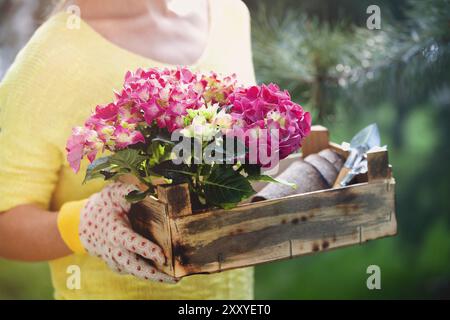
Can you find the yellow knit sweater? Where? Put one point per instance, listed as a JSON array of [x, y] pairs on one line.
[[55, 82]]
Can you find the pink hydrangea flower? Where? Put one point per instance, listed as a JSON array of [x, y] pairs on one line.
[[124, 137], [164, 95], [150, 97], [161, 99], [82, 142], [268, 107]]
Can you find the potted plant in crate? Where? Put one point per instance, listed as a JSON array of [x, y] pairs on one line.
[[194, 143]]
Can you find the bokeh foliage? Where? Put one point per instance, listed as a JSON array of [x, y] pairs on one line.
[[349, 76]]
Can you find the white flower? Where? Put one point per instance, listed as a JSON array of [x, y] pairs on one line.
[[223, 120], [206, 122]]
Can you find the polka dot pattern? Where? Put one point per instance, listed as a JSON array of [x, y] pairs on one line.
[[106, 233]]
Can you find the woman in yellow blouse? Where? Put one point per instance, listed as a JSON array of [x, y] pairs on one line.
[[69, 66]]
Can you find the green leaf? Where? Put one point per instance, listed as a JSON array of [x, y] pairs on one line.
[[262, 177], [136, 196], [286, 183], [253, 172], [266, 178], [225, 187], [163, 138], [96, 168], [251, 169], [126, 161], [149, 180], [159, 152], [176, 173], [108, 175], [128, 158]]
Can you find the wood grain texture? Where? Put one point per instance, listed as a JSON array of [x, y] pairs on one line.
[[150, 219], [278, 229], [177, 198], [316, 141], [377, 165], [338, 149]]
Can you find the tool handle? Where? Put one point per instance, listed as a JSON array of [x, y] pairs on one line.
[[344, 171]]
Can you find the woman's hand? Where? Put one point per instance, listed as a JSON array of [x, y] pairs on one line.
[[105, 232]]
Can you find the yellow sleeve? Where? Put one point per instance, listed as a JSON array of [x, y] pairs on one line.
[[29, 160], [68, 222], [247, 71]]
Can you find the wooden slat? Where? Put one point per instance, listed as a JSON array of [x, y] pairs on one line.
[[316, 141], [339, 150], [390, 227], [177, 199], [149, 218], [377, 165], [277, 229]]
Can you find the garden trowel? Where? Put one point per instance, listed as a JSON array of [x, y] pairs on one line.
[[362, 142]]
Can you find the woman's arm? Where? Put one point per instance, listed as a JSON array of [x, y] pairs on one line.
[[29, 233], [31, 124]]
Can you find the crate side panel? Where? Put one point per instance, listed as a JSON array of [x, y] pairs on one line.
[[371, 222], [273, 230], [149, 218], [389, 228]]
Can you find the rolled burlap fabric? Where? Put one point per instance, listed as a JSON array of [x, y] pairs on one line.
[[313, 173], [333, 157], [325, 168]]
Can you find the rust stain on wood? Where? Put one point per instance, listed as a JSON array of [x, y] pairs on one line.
[[181, 253], [177, 200], [269, 237]]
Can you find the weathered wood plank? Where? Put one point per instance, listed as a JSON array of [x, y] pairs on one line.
[[377, 165], [390, 227], [149, 218], [338, 149], [177, 198], [300, 224], [317, 140]]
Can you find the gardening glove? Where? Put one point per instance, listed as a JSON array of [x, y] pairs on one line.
[[105, 231]]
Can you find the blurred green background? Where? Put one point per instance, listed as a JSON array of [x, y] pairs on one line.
[[348, 76]]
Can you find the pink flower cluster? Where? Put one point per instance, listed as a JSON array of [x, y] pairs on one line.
[[165, 95], [150, 97], [160, 99], [268, 107]]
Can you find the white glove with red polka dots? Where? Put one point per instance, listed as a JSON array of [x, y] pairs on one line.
[[105, 232]]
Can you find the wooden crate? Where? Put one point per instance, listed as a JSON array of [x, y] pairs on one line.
[[254, 233]]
